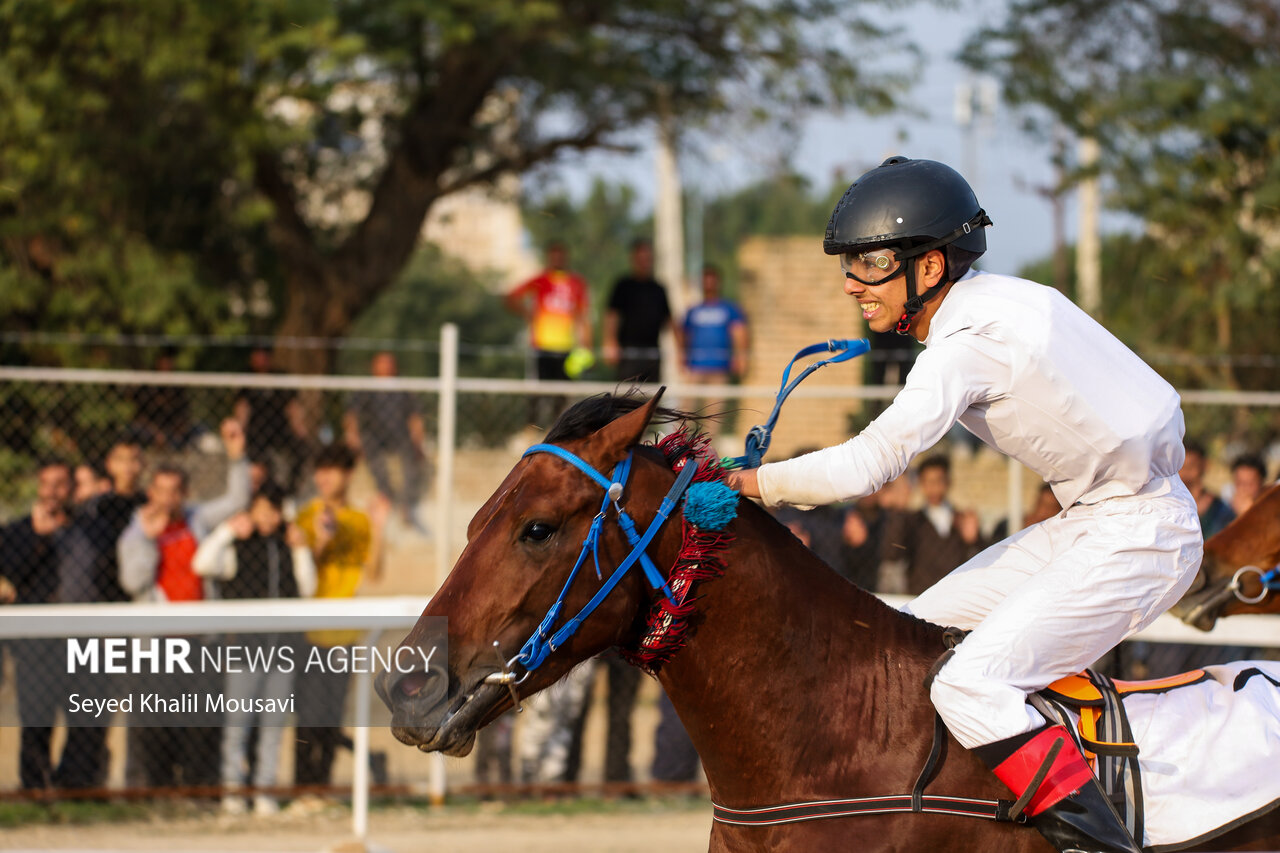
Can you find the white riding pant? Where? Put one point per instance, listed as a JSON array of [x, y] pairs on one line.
[[1052, 599]]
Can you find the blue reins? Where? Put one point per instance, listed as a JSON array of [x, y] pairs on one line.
[[543, 641], [760, 435]]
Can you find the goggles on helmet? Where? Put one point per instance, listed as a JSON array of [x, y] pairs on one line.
[[875, 266]]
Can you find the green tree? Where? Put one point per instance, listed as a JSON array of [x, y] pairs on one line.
[[779, 205], [302, 142], [1185, 100]]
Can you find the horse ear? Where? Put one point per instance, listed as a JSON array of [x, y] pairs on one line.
[[613, 440]]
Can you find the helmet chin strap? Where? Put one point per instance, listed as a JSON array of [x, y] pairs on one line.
[[915, 302]]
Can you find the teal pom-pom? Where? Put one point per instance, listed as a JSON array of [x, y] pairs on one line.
[[710, 505]]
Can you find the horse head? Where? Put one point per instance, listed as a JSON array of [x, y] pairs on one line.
[[1230, 578], [522, 546]]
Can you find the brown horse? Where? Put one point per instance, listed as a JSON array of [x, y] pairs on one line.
[[795, 685], [1253, 539]]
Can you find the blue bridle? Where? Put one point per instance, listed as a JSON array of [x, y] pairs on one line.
[[543, 641]]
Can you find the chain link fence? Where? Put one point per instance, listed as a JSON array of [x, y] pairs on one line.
[[145, 486]]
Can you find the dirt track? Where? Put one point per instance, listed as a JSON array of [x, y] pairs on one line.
[[400, 830]]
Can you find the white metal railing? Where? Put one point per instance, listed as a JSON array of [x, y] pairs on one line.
[[372, 615]]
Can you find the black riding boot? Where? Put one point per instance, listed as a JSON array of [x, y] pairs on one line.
[[1066, 804]]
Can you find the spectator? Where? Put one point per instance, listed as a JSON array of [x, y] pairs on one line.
[[347, 547], [547, 732], [638, 312], [88, 571], [889, 502], [162, 413], [1215, 514], [88, 565], [820, 529], [156, 548], [155, 556], [936, 538], [1046, 506], [91, 480], [382, 424], [1248, 476], [675, 759], [713, 338], [493, 750], [31, 548], [255, 555], [861, 536], [274, 424], [554, 302], [624, 683]]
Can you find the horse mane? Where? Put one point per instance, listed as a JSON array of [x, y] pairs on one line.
[[594, 413]]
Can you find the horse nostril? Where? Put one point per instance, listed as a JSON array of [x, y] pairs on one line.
[[411, 685]]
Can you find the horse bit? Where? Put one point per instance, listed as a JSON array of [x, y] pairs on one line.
[[1269, 580]]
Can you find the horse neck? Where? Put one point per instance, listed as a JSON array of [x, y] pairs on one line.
[[791, 668]]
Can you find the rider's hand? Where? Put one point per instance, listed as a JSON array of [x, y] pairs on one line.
[[744, 482]]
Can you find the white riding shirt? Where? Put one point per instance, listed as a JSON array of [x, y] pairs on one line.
[[1033, 376]]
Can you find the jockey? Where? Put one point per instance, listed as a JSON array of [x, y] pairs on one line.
[[1036, 378]]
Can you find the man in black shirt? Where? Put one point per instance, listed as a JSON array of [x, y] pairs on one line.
[[31, 547], [382, 424], [638, 312], [274, 424]]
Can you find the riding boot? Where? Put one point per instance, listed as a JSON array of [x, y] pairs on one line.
[[1062, 797]]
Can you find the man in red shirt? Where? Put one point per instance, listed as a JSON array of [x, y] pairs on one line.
[[155, 555], [555, 304]]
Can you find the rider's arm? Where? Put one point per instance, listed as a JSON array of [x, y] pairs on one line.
[[947, 379]]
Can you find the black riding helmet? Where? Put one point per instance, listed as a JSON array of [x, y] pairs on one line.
[[914, 207]]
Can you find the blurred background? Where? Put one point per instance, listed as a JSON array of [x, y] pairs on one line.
[[246, 243]]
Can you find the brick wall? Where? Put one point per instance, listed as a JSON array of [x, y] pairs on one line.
[[793, 295]]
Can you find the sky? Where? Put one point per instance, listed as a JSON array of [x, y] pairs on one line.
[[1004, 164]]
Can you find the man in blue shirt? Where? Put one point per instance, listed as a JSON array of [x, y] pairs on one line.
[[713, 336]]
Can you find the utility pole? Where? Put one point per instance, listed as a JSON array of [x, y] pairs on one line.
[[1089, 243], [668, 226], [975, 112], [1055, 194]]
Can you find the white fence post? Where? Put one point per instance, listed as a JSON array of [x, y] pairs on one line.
[[446, 443], [360, 751]]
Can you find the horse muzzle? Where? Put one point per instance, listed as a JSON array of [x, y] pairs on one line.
[[423, 714]]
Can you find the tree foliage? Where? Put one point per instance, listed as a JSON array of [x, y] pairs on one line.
[[1184, 96], [157, 155]]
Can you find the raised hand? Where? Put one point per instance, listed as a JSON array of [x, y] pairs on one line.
[[233, 438]]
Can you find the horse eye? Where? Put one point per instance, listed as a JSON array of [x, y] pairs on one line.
[[537, 531]]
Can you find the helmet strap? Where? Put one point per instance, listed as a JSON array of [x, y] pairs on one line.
[[915, 302]]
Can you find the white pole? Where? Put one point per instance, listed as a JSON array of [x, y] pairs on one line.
[[436, 788], [1089, 244], [668, 243], [360, 752], [446, 443]]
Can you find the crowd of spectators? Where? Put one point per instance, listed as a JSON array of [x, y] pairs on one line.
[[127, 525]]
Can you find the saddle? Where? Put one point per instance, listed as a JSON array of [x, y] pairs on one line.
[[1091, 706]]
